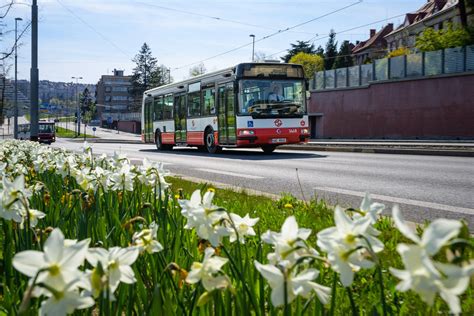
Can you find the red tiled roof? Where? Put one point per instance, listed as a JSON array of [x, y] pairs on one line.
[[377, 38]]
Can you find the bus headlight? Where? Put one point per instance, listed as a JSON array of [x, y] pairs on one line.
[[246, 132], [304, 131]]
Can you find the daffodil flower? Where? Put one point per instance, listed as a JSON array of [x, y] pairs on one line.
[[65, 300], [300, 284], [13, 195], [425, 276], [348, 245], [58, 263], [146, 239], [116, 263], [242, 226], [207, 272]]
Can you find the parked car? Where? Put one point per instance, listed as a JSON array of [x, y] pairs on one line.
[[94, 123]]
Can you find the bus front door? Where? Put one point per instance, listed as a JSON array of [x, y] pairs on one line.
[[149, 137], [226, 114], [180, 118]]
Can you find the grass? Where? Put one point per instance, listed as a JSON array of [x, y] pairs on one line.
[[67, 133], [110, 218]]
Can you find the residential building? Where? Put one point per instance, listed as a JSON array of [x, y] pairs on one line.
[[113, 94], [434, 13], [373, 48]]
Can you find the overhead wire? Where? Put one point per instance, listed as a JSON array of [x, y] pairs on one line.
[[93, 29], [317, 38], [271, 35], [216, 18]]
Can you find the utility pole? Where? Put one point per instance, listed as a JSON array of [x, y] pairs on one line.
[[34, 73], [78, 109], [15, 116], [253, 46]]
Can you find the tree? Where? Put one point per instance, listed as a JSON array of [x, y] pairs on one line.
[[399, 52], [87, 105], [320, 51], [331, 51], [147, 74], [344, 57], [197, 70], [311, 63], [260, 56], [450, 36], [300, 46]]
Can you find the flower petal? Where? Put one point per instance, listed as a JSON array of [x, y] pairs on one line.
[[438, 233], [29, 262], [402, 227]]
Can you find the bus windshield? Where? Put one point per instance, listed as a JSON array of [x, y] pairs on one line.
[[263, 98], [46, 128]]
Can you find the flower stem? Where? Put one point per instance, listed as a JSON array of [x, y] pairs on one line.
[[351, 299], [333, 294], [382, 291]]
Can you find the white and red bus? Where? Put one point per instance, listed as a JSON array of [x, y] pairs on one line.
[[249, 105]]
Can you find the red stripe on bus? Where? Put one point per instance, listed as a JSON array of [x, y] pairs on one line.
[[195, 138], [167, 138]]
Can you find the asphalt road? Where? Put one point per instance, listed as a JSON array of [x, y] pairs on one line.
[[426, 187]]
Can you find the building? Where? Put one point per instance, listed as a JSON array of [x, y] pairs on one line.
[[113, 95], [373, 48], [434, 13]]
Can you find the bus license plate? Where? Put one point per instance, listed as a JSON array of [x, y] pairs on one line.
[[278, 140]]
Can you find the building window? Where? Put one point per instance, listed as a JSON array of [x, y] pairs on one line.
[[119, 98], [108, 89], [108, 98], [120, 89]]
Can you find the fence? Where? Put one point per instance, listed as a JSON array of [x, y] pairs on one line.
[[446, 61]]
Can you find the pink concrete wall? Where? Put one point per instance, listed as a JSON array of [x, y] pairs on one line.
[[441, 107]]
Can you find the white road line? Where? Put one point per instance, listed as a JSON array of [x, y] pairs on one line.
[[449, 208], [233, 174]]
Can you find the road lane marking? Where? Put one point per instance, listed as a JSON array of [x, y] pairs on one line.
[[449, 208], [228, 173]]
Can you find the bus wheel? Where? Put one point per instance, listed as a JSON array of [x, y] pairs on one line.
[[159, 144], [211, 146], [268, 149]]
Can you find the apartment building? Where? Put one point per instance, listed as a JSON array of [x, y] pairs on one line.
[[113, 95]]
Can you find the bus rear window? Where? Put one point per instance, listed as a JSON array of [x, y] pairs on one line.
[[46, 128]]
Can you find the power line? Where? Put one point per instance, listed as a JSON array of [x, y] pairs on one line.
[[317, 38], [6, 55], [216, 18], [93, 29], [9, 6], [272, 34]]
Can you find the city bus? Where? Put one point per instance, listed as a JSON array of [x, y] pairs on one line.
[[46, 132], [249, 105]]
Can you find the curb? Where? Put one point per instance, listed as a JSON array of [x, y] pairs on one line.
[[378, 150], [348, 148]]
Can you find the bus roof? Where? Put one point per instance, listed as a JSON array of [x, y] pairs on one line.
[[212, 77]]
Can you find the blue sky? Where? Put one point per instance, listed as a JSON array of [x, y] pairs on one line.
[[90, 38]]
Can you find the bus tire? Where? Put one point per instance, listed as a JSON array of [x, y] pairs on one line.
[[210, 142], [268, 149], [159, 144]]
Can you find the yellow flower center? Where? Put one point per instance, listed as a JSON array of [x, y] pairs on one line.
[[54, 270], [243, 227], [113, 264], [350, 239]]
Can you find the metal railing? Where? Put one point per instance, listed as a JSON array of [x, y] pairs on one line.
[[416, 65]]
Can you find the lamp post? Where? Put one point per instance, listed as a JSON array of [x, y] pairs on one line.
[[34, 74], [15, 116], [253, 46], [78, 110]]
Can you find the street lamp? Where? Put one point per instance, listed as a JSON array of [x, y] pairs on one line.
[[253, 47], [78, 110], [15, 116]]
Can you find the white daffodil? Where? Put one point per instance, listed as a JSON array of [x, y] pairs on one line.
[[34, 216], [207, 272], [205, 217], [146, 239], [434, 237], [122, 179], [371, 209], [347, 245], [242, 226], [116, 263], [425, 276], [289, 244], [65, 300], [13, 196], [60, 263], [300, 284]]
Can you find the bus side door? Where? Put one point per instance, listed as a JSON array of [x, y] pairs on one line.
[[226, 114], [180, 118]]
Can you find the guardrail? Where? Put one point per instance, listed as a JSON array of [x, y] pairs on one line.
[[416, 65]]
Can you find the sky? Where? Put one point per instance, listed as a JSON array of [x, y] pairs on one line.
[[90, 38]]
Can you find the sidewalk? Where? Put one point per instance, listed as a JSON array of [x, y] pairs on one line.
[[104, 135]]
